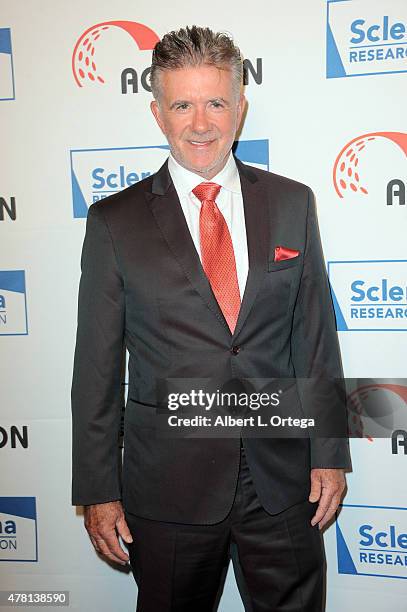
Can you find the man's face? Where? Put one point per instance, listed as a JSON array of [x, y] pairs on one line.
[[199, 113]]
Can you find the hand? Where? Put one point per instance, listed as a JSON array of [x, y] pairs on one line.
[[101, 522], [327, 486]]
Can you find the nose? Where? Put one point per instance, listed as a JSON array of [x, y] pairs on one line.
[[200, 122]]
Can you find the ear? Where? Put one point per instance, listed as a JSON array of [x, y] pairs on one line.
[[155, 109], [241, 105]]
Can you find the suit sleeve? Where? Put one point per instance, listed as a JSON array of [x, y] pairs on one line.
[[96, 383], [316, 354]]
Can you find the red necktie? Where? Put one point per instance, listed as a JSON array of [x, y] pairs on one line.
[[218, 258]]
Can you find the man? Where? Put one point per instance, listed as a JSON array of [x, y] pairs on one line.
[[208, 269]]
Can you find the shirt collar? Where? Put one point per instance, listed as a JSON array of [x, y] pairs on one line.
[[185, 181]]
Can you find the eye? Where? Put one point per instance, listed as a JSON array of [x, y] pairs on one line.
[[216, 104], [182, 106]]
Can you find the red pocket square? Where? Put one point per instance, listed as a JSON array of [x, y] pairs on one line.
[[281, 252]]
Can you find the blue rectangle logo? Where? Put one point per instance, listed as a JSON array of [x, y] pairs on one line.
[[369, 295], [18, 529], [7, 91], [365, 38], [372, 541], [13, 303]]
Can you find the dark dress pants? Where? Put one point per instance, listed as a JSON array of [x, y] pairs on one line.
[[280, 565]]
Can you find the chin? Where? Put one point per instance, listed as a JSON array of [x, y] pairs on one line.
[[206, 166]]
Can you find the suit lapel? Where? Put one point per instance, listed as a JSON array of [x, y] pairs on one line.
[[169, 216], [167, 211], [256, 219]]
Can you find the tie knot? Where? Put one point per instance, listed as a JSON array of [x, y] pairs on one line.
[[206, 191]]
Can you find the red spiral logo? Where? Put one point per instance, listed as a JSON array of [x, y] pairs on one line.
[[84, 66], [347, 172]]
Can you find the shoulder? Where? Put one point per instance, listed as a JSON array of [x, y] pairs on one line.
[[274, 180], [283, 192], [122, 203]]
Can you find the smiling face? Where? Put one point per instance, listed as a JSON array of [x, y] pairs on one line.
[[199, 112]]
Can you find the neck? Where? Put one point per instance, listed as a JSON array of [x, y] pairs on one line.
[[209, 173]]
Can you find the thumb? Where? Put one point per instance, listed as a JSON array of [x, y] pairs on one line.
[[123, 530], [316, 487]]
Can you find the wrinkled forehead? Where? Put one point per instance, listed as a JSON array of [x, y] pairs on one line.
[[203, 82]]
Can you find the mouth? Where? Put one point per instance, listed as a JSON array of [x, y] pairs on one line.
[[201, 145]]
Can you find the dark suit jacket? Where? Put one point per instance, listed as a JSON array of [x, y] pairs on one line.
[[142, 283]]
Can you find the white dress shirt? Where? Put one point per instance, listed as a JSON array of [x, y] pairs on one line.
[[229, 202]]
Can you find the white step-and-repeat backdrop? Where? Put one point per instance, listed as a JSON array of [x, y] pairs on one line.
[[326, 86]]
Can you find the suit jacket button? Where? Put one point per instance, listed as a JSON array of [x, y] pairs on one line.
[[235, 350]]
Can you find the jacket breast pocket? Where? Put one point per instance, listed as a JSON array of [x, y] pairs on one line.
[[284, 264], [278, 289]]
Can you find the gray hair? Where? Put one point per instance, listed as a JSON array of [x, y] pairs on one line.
[[195, 46]]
